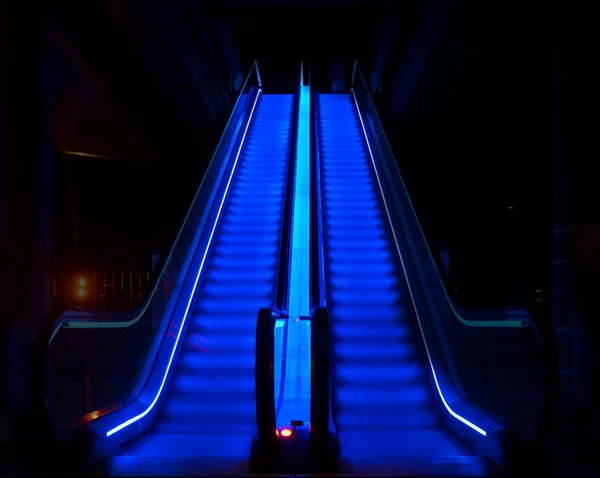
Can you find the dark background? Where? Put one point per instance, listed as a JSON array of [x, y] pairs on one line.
[[467, 98], [480, 100]]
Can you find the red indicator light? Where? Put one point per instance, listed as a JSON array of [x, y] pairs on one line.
[[286, 432]]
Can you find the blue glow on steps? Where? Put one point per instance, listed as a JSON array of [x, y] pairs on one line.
[[164, 374], [384, 407], [209, 410]]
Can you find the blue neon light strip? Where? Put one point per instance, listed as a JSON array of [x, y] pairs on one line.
[[452, 412], [185, 314], [299, 301], [295, 403]]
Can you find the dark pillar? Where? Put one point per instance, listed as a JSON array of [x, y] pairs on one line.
[[571, 341], [437, 54], [197, 41], [25, 187], [380, 56], [410, 68], [225, 40], [337, 74]]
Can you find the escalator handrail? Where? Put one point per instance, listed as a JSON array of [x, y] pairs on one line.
[[511, 317], [283, 259], [547, 344], [90, 440], [318, 280], [48, 327], [264, 376], [92, 319], [320, 407]]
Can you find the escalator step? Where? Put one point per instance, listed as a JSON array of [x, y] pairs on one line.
[[211, 395], [382, 387]]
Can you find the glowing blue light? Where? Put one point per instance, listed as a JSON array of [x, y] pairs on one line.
[[452, 412], [185, 314], [299, 299], [295, 404]]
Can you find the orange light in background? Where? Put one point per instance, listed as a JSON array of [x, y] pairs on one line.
[[286, 432], [81, 282], [94, 415]]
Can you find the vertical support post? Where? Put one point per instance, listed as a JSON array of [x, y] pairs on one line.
[[410, 69], [571, 341], [381, 53], [225, 40]]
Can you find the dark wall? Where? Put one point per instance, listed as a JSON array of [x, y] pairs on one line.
[[467, 156], [111, 213], [147, 85], [86, 117], [578, 79], [478, 164], [280, 36]]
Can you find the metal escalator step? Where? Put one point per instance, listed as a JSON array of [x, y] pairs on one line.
[[381, 382], [211, 395]]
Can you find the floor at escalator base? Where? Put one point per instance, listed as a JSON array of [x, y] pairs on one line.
[[184, 454], [422, 453], [263, 457], [295, 455], [289, 455], [441, 466], [148, 466]]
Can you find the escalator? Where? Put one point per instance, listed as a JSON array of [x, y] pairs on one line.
[[209, 411], [384, 407], [361, 373], [181, 376]]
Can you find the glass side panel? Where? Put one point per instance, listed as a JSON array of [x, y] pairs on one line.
[[97, 360], [292, 391], [497, 362], [279, 361], [210, 401]]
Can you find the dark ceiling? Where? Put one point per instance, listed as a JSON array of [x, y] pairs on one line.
[[105, 53], [313, 30]]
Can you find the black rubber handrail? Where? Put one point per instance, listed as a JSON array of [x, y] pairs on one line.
[[283, 260], [323, 442], [318, 286], [320, 378], [264, 375], [320, 278]]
